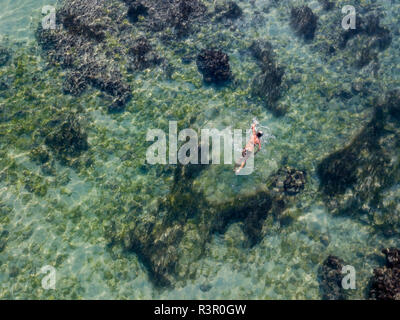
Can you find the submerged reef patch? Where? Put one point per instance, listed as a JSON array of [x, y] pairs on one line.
[[79, 43], [159, 14], [355, 178], [229, 10], [330, 279], [304, 22], [214, 65], [385, 284], [268, 84], [162, 242], [66, 138], [357, 47], [94, 41], [289, 181], [5, 55]]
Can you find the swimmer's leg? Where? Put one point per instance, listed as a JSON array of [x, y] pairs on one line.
[[241, 167]]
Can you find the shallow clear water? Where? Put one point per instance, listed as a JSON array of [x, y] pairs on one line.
[[67, 228]]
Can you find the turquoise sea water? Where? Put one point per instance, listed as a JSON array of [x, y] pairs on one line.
[[68, 227]]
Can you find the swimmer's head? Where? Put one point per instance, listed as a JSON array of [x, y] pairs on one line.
[[260, 134]]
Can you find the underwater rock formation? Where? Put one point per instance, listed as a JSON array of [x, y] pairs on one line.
[[372, 36], [355, 178], [66, 137], [136, 9], [5, 56], [39, 155], [289, 181], [303, 22], [330, 279], [385, 284], [369, 25], [142, 55], [91, 33], [161, 240], [79, 44], [268, 84], [214, 65], [327, 4], [159, 14], [228, 11], [357, 47]]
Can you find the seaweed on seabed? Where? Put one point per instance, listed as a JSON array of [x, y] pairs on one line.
[[158, 240], [370, 38], [304, 22], [228, 11], [214, 65], [268, 84], [385, 283], [330, 279], [5, 55], [73, 44], [142, 55], [367, 166], [66, 138]]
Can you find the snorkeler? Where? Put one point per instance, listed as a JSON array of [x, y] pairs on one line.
[[249, 148]]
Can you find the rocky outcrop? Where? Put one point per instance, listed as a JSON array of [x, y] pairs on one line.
[[359, 47], [5, 56], [214, 65], [330, 279], [227, 11], [90, 34], [268, 84], [142, 55], [289, 181], [66, 137], [159, 14], [161, 243], [385, 284], [79, 44], [304, 22], [355, 178]]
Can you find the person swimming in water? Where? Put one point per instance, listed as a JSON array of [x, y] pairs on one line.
[[249, 148]]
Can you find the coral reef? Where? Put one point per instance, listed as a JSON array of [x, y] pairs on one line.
[[369, 25], [142, 55], [159, 14], [79, 44], [268, 84], [159, 242], [214, 65], [303, 22], [5, 56], [289, 180], [66, 138], [385, 284], [92, 33], [366, 40], [330, 279], [228, 11], [371, 34], [327, 4], [353, 177]]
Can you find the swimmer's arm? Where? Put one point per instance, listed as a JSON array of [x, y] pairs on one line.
[[253, 127]]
